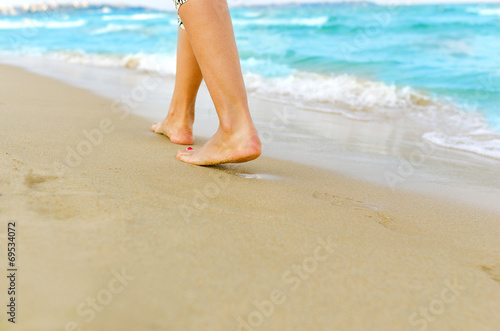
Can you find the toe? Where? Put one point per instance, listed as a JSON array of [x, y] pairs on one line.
[[180, 156], [185, 151], [184, 154]]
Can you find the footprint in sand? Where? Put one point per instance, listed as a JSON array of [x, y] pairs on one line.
[[371, 211], [31, 179], [492, 271]]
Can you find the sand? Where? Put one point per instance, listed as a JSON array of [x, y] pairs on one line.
[[126, 237]]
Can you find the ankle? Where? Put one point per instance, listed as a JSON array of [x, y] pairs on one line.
[[180, 115], [232, 122], [232, 128]]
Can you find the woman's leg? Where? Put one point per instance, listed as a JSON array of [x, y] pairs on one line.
[[210, 31], [178, 125]]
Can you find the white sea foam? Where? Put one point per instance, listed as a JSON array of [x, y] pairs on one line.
[[163, 64], [490, 12], [339, 93], [313, 21], [484, 11], [67, 24], [252, 14], [446, 124], [27, 23], [485, 146], [136, 17], [110, 28]]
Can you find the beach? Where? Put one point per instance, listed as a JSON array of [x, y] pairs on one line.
[[114, 233], [374, 205]]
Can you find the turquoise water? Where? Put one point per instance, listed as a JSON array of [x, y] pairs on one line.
[[437, 66]]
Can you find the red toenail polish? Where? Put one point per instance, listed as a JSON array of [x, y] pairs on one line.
[[189, 148]]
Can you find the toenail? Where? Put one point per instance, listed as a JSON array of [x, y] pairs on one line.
[[189, 148]]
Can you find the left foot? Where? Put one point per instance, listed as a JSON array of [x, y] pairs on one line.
[[235, 147], [178, 130]]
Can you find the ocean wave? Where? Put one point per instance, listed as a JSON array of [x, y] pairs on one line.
[[485, 11], [445, 124], [106, 10], [443, 25], [111, 28], [135, 17], [314, 21], [484, 145], [252, 14], [27, 23], [159, 63], [346, 92], [490, 12]]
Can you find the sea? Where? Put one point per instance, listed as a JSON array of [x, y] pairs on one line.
[[436, 67]]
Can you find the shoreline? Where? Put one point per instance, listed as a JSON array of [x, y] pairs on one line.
[[204, 247], [398, 157]]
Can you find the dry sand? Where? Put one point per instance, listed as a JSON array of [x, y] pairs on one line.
[[129, 238]]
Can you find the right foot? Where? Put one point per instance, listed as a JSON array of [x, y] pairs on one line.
[[178, 131], [234, 147]]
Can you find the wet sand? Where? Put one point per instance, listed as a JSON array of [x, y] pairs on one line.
[[113, 233]]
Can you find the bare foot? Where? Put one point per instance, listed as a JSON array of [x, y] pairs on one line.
[[223, 147], [178, 131]]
